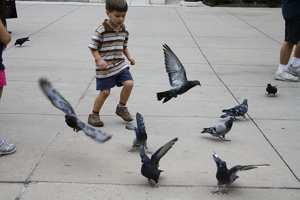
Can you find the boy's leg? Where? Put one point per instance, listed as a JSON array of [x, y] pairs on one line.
[[94, 118], [122, 110], [126, 91]]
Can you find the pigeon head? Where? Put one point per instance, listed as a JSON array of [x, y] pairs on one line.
[[220, 163], [245, 102], [269, 85]]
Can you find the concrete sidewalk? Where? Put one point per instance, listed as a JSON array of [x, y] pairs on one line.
[[232, 51]]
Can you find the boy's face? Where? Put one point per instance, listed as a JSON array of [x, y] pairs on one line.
[[117, 18]]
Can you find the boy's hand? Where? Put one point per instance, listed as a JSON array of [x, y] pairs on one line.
[[101, 63], [132, 61]]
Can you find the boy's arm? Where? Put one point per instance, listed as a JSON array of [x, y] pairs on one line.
[[128, 56], [4, 35], [98, 59]]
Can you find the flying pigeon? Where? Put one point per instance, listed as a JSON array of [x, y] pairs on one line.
[[236, 111], [71, 119], [140, 133], [150, 167], [227, 176], [21, 41], [221, 128], [177, 76], [271, 90]]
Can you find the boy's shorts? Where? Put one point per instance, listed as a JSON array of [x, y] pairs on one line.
[[112, 81], [292, 30], [2, 78]]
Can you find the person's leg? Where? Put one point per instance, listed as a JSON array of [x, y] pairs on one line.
[[126, 81], [121, 109], [283, 72], [1, 89], [5, 147], [286, 52], [125, 92], [94, 118]]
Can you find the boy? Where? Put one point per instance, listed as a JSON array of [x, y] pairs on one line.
[[291, 15], [108, 47], [5, 147]]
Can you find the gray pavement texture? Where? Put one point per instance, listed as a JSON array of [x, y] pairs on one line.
[[232, 51]]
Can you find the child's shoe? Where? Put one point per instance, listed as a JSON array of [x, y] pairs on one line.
[[6, 148], [94, 120], [123, 112]]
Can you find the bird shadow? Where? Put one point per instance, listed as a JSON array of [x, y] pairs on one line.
[[215, 139]]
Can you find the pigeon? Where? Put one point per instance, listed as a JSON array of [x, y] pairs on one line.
[[21, 41], [236, 111], [140, 133], [177, 76], [150, 167], [71, 118], [271, 90], [227, 176], [221, 128]]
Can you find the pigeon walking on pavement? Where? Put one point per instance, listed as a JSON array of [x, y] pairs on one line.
[[177, 76], [227, 176], [140, 133], [221, 128], [237, 111], [71, 118], [150, 166], [21, 41], [271, 90]]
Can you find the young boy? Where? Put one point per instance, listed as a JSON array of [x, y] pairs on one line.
[[5, 147], [108, 47]]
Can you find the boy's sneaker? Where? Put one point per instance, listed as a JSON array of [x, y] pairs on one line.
[[94, 120], [282, 75], [295, 71], [6, 148], [123, 112]]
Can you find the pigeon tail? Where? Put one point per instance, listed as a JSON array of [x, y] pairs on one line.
[[161, 95], [207, 130]]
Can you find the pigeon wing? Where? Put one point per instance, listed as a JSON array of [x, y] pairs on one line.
[[143, 155], [174, 68], [220, 128], [92, 132], [55, 97], [140, 131], [162, 151]]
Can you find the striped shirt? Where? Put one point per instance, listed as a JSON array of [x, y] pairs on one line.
[[110, 44]]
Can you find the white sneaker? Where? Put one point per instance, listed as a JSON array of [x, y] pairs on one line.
[[295, 71], [285, 76]]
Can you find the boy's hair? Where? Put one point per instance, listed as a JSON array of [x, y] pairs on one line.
[[116, 5]]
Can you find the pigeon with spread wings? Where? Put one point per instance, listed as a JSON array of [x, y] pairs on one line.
[[71, 118], [150, 166], [177, 76], [227, 176]]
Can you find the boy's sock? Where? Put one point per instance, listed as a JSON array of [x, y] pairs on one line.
[[122, 104], [295, 62]]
